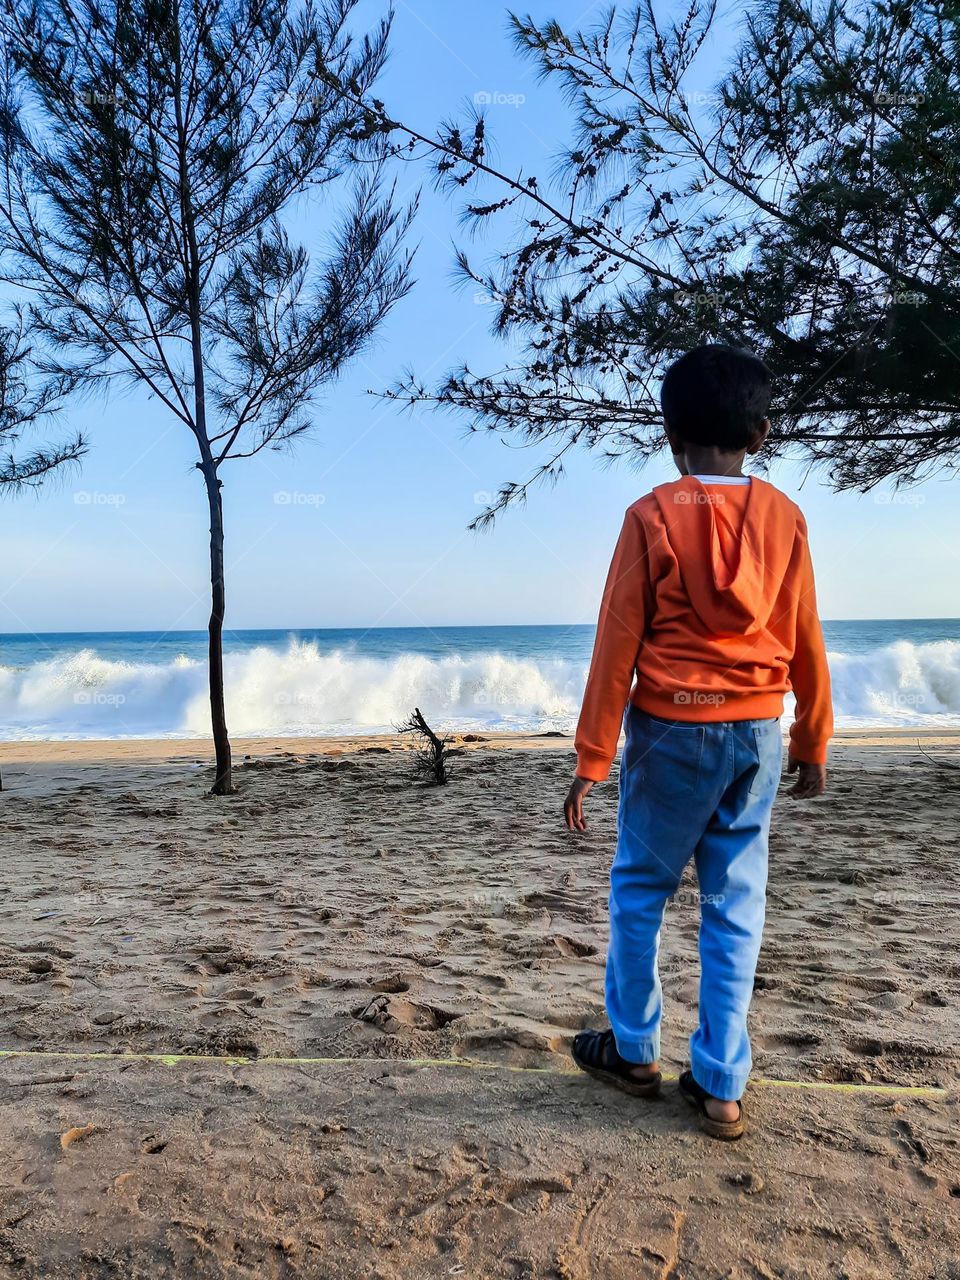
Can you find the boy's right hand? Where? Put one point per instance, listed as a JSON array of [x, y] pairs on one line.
[[811, 782], [573, 805]]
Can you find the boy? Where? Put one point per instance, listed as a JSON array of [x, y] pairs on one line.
[[710, 604]]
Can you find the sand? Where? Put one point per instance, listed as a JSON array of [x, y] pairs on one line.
[[336, 909]]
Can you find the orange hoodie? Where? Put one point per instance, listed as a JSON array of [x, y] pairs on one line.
[[710, 603]]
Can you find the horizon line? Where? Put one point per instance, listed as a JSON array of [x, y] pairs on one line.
[[441, 626]]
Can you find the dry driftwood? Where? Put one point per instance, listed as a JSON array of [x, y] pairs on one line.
[[941, 764], [432, 750]]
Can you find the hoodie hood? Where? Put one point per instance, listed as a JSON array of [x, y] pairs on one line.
[[733, 552]]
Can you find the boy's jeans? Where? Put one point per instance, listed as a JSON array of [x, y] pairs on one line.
[[703, 791]]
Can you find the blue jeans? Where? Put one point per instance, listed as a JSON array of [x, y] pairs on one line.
[[701, 791]]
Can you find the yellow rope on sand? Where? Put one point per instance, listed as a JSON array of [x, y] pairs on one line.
[[174, 1059]]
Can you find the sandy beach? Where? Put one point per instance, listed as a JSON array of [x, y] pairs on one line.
[[336, 910]]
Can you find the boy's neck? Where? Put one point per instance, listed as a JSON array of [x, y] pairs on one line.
[[701, 460]]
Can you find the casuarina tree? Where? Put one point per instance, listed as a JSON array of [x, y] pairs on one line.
[[151, 152], [805, 205], [27, 399]]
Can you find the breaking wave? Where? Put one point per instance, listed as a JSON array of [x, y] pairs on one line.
[[305, 690]]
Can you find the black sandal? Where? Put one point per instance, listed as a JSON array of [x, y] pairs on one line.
[[697, 1096], [596, 1053]]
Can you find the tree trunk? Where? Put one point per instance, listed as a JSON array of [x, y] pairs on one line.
[[193, 268], [223, 782]]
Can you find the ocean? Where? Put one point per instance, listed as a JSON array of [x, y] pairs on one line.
[[305, 682]]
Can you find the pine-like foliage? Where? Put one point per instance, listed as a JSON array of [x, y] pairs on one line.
[[806, 206]]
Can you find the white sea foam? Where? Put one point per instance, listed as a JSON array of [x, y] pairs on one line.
[[305, 690]]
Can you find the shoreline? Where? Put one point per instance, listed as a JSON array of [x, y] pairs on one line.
[[163, 750]]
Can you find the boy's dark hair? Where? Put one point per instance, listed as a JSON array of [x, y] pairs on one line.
[[716, 395]]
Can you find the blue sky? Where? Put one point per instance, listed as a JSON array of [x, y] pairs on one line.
[[365, 524]]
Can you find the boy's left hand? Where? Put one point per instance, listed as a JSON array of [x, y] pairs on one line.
[[573, 805], [812, 779]]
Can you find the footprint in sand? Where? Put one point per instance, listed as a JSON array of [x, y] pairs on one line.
[[934, 999], [394, 1015], [392, 984], [797, 1040], [866, 1046], [242, 995]]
